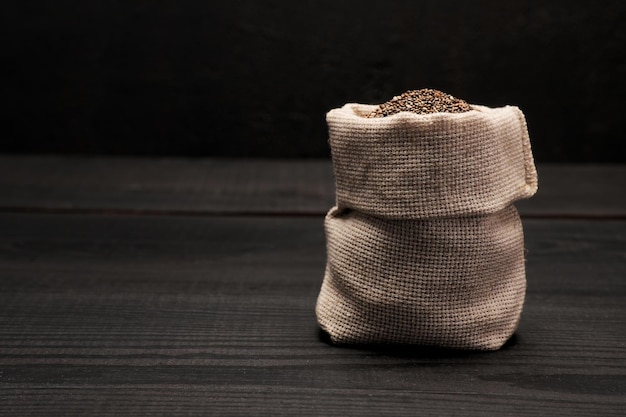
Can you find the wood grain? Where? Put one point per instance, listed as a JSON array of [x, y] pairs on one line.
[[166, 185], [132, 315], [178, 186], [570, 190]]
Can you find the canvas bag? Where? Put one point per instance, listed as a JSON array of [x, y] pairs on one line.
[[424, 245]]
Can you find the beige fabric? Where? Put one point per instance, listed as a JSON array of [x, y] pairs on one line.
[[456, 282], [410, 166], [425, 246]]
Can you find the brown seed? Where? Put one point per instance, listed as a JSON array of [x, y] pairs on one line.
[[421, 101]]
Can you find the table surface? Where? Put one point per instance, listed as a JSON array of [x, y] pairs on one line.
[[134, 286]]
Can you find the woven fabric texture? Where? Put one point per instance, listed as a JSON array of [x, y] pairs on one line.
[[410, 166], [456, 282], [424, 246]]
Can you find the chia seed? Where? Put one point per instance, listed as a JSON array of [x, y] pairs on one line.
[[422, 101]]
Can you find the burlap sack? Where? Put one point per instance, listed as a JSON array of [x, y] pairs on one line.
[[424, 245]]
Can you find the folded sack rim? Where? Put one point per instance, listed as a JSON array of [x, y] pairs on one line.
[[412, 166]]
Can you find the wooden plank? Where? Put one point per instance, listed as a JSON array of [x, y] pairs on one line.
[[575, 190], [220, 186], [124, 315], [172, 185]]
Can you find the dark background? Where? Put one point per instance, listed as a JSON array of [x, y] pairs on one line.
[[255, 78]]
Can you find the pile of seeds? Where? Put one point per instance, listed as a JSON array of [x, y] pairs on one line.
[[421, 101]]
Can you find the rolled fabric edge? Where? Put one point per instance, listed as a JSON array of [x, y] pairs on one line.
[[414, 166]]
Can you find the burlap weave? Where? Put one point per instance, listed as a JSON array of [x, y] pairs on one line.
[[410, 166], [424, 245]]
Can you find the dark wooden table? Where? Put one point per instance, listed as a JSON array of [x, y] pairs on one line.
[[187, 287]]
